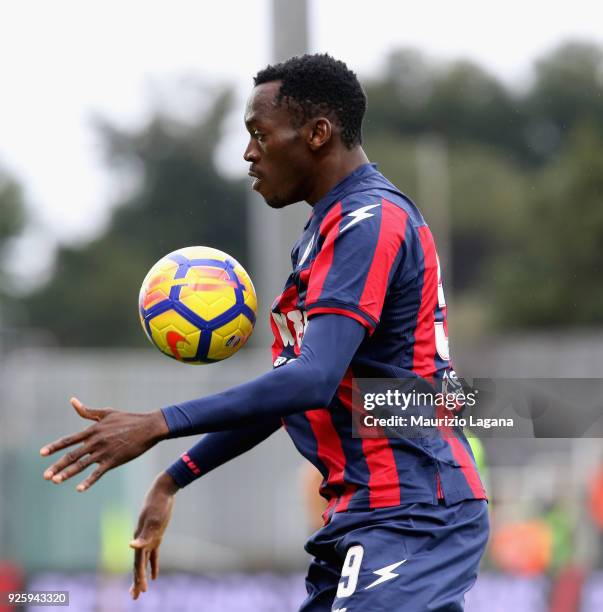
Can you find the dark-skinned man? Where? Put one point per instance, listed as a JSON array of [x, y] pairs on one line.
[[406, 522]]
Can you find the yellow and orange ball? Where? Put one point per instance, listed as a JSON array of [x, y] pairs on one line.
[[198, 305]]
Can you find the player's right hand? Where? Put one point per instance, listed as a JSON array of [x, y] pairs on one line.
[[116, 438], [152, 523]]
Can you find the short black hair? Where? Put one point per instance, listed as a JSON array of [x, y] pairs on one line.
[[320, 84]]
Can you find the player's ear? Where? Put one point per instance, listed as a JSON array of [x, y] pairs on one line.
[[321, 132]]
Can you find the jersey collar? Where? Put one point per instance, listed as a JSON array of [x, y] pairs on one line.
[[361, 173]]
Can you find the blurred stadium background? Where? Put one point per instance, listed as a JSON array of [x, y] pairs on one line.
[[511, 180]]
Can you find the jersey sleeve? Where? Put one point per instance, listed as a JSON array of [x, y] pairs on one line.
[[217, 448], [362, 244], [305, 383]]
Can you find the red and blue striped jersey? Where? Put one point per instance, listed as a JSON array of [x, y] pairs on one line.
[[367, 253]]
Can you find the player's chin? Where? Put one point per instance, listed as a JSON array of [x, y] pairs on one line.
[[275, 201], [259, 186]]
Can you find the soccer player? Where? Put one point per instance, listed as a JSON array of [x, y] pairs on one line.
[[406, 522]]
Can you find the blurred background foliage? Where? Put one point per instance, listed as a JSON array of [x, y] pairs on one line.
[[12, 217], [525, 187]]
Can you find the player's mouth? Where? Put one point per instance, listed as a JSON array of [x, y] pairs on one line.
[[258, 179]]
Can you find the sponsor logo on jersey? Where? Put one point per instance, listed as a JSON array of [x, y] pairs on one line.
[[291, 326]]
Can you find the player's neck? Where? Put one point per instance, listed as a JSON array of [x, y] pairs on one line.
[[334, 168]]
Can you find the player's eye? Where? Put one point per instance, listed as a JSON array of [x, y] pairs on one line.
[[259, 136]]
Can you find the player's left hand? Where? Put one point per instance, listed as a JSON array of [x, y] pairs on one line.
[[116, 438], [152, 523]]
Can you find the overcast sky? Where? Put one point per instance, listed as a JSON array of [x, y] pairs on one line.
[[62, 62]]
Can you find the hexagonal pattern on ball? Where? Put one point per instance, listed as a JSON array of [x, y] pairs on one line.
[[228, 339], [174, 336], [208, 300], [157, 283]]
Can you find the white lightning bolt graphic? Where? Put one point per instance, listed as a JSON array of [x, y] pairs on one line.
[[340, 610], [358, 215], [385, 574]]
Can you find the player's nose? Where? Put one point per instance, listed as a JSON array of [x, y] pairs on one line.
[[251, 153]]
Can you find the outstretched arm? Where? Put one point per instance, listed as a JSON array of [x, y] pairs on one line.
[[308, 382]]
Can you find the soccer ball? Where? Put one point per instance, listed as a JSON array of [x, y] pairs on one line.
[[197, 305]]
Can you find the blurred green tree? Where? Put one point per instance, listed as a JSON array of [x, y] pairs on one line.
[[487, 200], [12, 217], [459, 101], [568, 88], [549, 274], [179, 200]]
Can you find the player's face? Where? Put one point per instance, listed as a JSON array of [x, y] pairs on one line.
[[281, 163]]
